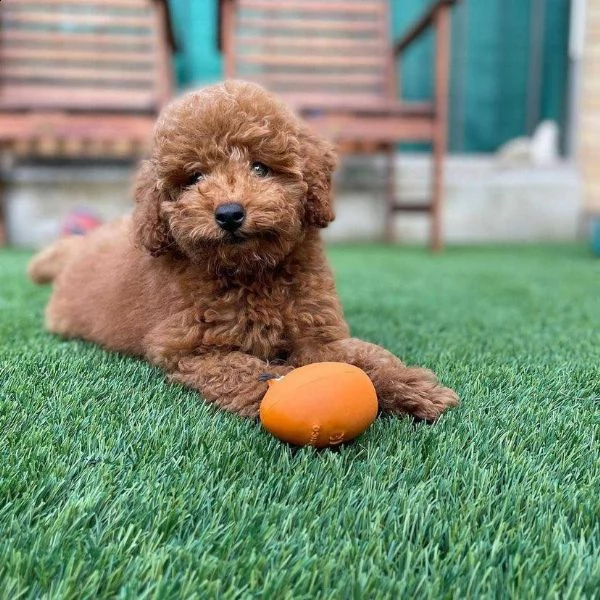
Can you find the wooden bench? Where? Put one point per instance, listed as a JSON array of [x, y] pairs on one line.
[[334, 61], [81, 78]]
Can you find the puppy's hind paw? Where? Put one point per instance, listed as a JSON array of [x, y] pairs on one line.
[[435, 402], [417, 392]]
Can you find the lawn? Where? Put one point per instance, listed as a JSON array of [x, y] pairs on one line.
[[115, 483]]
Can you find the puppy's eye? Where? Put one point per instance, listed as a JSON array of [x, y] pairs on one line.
[[195, 178], [259, 169]]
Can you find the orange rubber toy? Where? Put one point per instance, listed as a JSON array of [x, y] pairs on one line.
[[322, 404]]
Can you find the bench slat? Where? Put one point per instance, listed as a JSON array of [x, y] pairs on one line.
[[308, 79], [65, 72], [362, 46], [313, 6], [142, 59], [375, 129], [143, 40], [309, 61], [63, 126], [18, 96], [307, 25], [100, 4], [20, 17]]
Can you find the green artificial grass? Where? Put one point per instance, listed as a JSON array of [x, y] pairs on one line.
[[115, 483]]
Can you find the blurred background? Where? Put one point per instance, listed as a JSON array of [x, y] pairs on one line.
[[458, 121]]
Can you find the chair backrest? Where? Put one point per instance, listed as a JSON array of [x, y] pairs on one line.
[[313, 52], [83, 55]]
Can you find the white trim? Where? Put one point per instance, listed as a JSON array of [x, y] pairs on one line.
[[577, 29]]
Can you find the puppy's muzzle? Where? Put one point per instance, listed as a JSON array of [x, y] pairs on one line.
[[230, 216]]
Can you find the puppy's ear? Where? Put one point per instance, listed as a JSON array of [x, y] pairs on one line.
[[150, 230], [320, 160]]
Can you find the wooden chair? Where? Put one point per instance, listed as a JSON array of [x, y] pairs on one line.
[[333, 60], [81, 78]]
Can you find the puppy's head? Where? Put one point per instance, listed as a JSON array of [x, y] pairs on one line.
[[234, 178]]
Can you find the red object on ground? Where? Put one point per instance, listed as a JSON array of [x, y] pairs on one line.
[[79, 222]]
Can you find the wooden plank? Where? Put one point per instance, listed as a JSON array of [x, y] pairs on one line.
[[412, 207], [319, 103], [390, 192], [442, 79], [163, 75], [18, 96], [65, 72], [281, 24], [97, 147], [228, 37], [125, 147], [351, 128], [79, 148], [225, 27], [47, 146], [89, 20], [368, 103], [317, 79], [24, 126], [359, 105], [312, 6], [97, 4], [73, 147], [278, 43], [142, 59], [3, 236], [124, 40], [167, 25], [310, 60], [421, 25], [20, 147]]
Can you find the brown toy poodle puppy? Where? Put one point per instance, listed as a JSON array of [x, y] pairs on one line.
[[219, 277]]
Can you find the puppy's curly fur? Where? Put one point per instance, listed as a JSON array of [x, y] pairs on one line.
[[217, 309]]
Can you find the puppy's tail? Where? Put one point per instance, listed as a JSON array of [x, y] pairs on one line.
[[45, 266]]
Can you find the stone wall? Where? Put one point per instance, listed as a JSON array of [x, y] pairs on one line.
[[39, 199]]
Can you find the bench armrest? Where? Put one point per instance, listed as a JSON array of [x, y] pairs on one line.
[[421, 25]]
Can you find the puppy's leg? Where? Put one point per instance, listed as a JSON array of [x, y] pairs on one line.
[[233, 381], [400, 389], [45, 266]]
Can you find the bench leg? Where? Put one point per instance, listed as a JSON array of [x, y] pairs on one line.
[[437, 236], [442, 82], [3, 233], [390, 193]]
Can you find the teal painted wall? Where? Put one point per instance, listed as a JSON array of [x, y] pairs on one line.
[[492, 93], [492, 98], [195, 26], [555, 66]]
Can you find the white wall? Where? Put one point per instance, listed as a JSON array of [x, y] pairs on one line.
[[483, 202]]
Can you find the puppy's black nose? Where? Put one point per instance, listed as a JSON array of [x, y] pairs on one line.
[[230, 216]]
